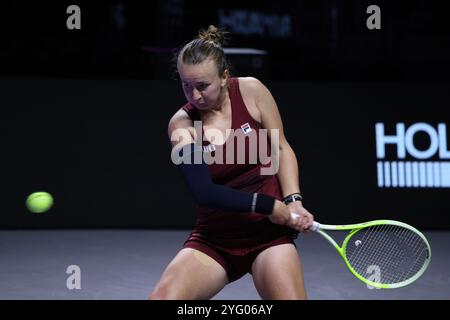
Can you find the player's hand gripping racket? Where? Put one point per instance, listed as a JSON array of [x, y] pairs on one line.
[[399, 252]]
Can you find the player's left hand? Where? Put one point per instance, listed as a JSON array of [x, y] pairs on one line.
[[305, 220]]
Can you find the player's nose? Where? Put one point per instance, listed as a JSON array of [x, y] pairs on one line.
[[196, 95]]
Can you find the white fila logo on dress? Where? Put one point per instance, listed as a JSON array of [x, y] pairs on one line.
[[246, 128], [209, 148]]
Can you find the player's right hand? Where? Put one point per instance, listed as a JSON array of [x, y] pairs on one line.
[[280, 214]]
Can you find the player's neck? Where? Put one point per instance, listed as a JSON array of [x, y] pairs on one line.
[[221, 106]]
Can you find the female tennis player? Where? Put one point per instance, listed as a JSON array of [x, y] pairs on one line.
[[244, 219]]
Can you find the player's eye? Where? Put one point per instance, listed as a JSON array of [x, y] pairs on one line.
[[202, 87]]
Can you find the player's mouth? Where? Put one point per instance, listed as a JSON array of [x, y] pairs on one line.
[[201, 105]]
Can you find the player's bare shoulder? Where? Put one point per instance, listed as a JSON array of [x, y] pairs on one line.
[[180, 119], [256, 96], [250, 86], [251, 90], [180, 128]]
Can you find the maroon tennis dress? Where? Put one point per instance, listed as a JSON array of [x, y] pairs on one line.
[[234, 239]]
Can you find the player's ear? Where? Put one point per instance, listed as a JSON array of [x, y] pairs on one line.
[[225, 76]]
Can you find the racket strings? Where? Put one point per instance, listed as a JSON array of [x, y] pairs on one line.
[[395, 256], [371, 259], [374, 249], [396, 252]]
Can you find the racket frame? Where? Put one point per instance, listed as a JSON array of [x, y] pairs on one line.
[[319, 228]]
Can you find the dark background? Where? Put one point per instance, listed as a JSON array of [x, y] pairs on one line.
[[84, 112], [319, 41]]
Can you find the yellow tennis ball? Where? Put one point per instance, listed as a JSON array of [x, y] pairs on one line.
[[39, 202]]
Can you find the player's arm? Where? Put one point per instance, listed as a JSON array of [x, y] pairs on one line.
[[270, 119], [188, 156], [287, 167]]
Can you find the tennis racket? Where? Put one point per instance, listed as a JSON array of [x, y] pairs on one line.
[[381, 253]]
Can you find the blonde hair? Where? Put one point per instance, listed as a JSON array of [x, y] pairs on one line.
[[207, 45]]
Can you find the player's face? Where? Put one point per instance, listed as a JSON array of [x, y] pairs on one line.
[[202, 84]]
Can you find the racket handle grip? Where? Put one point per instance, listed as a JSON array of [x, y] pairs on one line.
[[315, 226]]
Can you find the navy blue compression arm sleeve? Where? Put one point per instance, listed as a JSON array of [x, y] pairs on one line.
[[206, 193]]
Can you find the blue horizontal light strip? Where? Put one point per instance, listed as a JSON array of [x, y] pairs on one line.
[[413, 174]]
